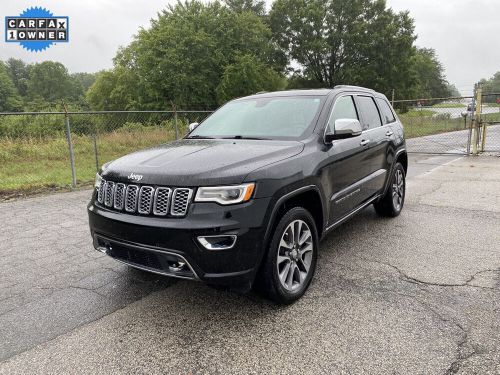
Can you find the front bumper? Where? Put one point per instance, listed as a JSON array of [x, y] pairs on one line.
[[160, 245]]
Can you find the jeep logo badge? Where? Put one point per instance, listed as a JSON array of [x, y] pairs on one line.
[[135, 177]]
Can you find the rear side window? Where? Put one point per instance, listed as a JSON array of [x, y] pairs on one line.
[[369, 111], [385, 111], [343, 108]]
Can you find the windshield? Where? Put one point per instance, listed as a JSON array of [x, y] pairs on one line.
[[262, 118]]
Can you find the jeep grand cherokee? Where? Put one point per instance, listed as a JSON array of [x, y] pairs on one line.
[[246, 196]]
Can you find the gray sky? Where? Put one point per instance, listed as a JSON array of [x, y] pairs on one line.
[[463, 32]]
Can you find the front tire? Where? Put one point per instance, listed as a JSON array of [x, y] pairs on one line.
[[291, 258], [391, 204]]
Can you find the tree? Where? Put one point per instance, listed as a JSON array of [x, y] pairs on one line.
[[357, 42], [247, 76], [491, 86], [85, 80], [49, 80], [115, 89], [19, 71], [257, 7], [183, 56], [432, 82], [9, 97], [452, 89]]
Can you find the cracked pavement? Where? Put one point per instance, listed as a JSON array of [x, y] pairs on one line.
[[418, 294]]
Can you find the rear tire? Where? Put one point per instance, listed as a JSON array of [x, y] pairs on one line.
[[290, 262], [391, 204]]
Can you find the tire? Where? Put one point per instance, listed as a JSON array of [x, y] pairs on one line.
[[391, 204], [289, 265]]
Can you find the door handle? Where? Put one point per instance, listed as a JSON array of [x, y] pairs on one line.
[[389, 133], [364, 142]]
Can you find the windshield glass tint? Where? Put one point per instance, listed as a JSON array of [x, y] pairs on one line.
[[275, 117]]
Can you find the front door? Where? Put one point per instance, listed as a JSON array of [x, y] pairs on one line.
[[347, 163]]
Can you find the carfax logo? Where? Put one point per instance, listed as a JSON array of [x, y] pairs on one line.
[[36, 29]]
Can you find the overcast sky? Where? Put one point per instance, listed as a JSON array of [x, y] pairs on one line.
[[463, 32]]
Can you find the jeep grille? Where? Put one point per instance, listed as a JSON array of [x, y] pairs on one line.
[[144, 200]]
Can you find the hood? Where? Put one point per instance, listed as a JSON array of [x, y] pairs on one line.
[[190, 162]]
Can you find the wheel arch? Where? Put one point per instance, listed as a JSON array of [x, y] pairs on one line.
[[308, 197], [400, 156]]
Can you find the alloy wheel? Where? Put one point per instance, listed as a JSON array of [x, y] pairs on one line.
[[295, 255], [398, 190]]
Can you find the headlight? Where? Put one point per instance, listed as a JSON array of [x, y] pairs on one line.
[[98, 180], [225, 194]]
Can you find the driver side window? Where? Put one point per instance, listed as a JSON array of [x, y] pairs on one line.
[[343, 108]]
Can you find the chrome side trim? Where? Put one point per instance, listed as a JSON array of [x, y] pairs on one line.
[[340, 221], [346, 191]]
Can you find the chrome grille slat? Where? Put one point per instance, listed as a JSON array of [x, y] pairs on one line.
[[145, 200], [100, 192], [180, 201], [119, 196], [109, 191], [161, 201], [131, 198]]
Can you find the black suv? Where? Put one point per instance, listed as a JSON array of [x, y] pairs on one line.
[[246, 196]]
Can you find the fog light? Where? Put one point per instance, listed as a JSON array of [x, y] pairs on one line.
[[176, 266], [222, 242]]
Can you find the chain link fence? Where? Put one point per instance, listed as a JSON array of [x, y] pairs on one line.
[[440, 126], [490, 123], [40, 151]]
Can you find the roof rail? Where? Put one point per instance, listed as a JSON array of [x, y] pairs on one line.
[[352, 87]]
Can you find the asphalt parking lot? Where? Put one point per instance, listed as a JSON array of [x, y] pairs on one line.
[[418, 294]]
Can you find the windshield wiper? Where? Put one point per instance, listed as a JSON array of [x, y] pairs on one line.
[[245, 137], [200, 137]]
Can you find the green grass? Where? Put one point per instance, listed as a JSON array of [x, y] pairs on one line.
[[449, 105], [37, 164], [419, 113], [418, 126], [33, 164], [491, 117]]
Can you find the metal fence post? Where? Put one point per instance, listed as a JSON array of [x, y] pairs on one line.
[[70, 148], [94, 139], [176, 128], [469, 139], [174, 109], [477, 119]]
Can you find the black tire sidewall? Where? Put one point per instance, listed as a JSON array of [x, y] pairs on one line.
[[280, 293]]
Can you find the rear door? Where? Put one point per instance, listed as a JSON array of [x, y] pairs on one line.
[[376, 141]]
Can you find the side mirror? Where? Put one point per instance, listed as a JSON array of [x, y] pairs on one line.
[[344, 128], [193, 126]]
